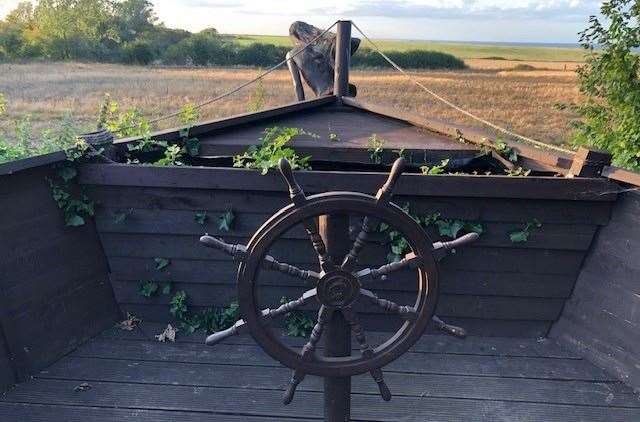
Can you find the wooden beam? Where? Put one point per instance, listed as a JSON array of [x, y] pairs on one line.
[[295, 76], [236, 120], [589, 162], [548, 161], [621, 175], [343, 53]]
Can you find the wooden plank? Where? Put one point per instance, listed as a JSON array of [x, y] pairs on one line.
[[602, 318], [365, 407], [619, 358], [54, 328], [322, 181], [464, 306], [225, 354], [212, 126], [432, 343], [15, 166], [381, 322], [30, 412], [452, 282], [55, 285], [621, 175], [7, 374], [216, 148], [551, 236], [413, 385], [485, 210], [540, 261], [555, 159]]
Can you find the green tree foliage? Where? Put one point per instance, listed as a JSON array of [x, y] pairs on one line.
[[611, 82], [128, 31]]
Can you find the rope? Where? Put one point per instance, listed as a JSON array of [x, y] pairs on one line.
[[243, 85], [454, 106]]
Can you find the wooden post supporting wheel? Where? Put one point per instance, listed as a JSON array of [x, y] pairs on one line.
[[334, 230]]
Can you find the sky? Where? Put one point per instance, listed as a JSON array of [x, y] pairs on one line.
[[552, 21]]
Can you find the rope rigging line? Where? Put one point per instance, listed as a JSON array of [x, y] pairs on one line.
[[245, 84], [454, 106]]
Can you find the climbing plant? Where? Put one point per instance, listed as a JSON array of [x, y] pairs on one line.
[[273, 147]]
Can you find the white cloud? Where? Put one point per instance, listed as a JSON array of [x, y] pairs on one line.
[[501, 20]]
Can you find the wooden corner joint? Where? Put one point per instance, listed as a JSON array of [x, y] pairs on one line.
[[589, 162]]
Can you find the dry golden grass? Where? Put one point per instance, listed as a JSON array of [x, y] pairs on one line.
[[520, 100]]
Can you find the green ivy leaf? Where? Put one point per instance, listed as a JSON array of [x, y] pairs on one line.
[[449, 228], [119, 217], [161, 263], [67, 173], [225, 221], [74, 220], [519, 236], [166, 289], [148, 289], [201, 217]]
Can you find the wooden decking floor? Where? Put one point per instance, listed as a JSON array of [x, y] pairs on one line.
[[131, 376]]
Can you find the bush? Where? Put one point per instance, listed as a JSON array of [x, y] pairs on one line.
[[260, 55], [138, 52], [611, 83], [410, 59]]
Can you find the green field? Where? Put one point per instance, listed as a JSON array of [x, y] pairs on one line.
[[460, 50]]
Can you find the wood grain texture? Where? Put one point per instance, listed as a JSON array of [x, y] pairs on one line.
[[602, 317], [55, 288], [576, 189], [352, 127], [504, 284], [441, 378], [7, 373]]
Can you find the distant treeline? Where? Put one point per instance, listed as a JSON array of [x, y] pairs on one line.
[[128, 32]]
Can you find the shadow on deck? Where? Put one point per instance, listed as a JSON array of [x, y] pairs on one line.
[[131, 376]]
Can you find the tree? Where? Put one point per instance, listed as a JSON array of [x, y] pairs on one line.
[[71, 29], [133, 17], [611, 83]]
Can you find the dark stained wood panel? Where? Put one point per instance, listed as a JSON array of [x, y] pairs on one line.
[[353, 129], [575, 189], [7, 375], [44, 412], [433, 343], [438, 385], [55, 288], [602, 317], [441, 378], [215, 201], [507, 287]]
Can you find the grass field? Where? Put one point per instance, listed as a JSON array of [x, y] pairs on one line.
[[520, 100], [461, 50]]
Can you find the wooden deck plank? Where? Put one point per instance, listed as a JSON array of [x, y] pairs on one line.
[[432, 385], [267, 402], [517, 367], [21, 412], [434, 343]]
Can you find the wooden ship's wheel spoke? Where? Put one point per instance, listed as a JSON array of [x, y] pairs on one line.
[[240, 327], [324, 314], [352, 318], [406, 312], [239, 253]]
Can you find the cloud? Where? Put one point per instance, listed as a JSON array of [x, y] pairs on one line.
[[464, 9]]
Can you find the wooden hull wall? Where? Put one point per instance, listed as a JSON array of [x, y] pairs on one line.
[[602, 317], [55, 290], [495, 287]]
